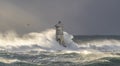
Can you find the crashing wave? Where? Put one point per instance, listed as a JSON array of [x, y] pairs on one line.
[[35, 41]]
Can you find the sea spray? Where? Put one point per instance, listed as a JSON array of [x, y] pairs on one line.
[[45, 41], [41, 41], [25, 50]]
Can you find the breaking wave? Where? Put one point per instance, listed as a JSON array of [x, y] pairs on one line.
[[8, 61], [50, 51], [104, 45], [35, 41], [45, 41]]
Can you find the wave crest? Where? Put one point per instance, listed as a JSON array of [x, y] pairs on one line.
[[35, 41]]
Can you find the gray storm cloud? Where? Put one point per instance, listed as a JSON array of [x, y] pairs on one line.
[[15, 18], [82, 17]]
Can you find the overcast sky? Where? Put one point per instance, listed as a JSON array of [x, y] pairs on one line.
[[80, 17]]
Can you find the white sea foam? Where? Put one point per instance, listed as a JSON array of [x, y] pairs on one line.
[[45, 41], [32, 41], [105, 45], [8, 61]]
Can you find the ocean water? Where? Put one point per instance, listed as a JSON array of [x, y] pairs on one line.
[[41, 49]]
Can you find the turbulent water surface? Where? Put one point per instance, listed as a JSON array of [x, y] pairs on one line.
[[41, 49]]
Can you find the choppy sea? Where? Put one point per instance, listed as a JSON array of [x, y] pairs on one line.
[[41, 49]]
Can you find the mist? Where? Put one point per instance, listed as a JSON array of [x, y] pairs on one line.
[[80, 17]]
